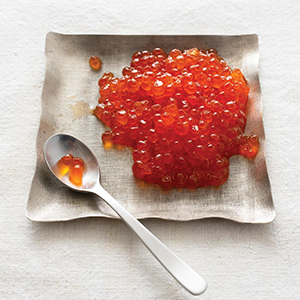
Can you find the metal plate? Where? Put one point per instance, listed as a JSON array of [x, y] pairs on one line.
[[70, 92]]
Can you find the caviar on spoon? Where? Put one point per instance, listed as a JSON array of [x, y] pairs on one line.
[[57, 147]]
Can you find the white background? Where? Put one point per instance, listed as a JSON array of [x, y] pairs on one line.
[[103, 259]]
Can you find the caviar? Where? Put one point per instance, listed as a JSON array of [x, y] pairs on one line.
[[184, 115], [72, 165], [95, 62]]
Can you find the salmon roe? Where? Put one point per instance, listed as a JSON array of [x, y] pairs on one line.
[[95, 62], [184, 115], [72, 165]]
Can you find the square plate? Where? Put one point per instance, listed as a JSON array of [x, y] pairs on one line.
[[70, 92]]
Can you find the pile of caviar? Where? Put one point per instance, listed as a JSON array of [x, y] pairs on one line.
[[184, 115], [72, 165]]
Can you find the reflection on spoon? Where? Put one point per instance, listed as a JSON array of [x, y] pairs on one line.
[[59, 145]]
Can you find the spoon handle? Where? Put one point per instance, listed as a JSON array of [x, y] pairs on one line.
[[187, 277]]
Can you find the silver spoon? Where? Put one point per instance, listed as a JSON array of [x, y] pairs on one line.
[[59, 145]]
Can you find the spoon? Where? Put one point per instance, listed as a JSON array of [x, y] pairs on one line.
[[59, 145]]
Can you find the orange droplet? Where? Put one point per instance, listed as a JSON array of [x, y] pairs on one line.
[[76, 172], [95, 62], [64, 164]]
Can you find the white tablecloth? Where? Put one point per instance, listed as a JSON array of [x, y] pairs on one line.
[[101, 258]]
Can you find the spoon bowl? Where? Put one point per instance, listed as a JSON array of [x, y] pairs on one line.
[[58, 146]]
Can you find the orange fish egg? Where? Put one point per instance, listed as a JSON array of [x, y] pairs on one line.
[[95, 63]]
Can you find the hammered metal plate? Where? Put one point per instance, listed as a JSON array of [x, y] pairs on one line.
[[70, 92]]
